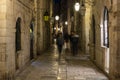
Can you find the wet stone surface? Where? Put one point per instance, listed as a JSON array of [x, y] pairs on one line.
[[48, 67]]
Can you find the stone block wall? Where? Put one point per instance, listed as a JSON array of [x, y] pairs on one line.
[[10, 10], [113, 11], [42, 29], [99, 50], [40, 13], [114, 39], [117, 30], [2, 38]]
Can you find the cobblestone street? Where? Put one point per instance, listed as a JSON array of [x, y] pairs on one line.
[[47, 67]]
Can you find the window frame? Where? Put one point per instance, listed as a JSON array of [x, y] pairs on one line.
[[105, 28]]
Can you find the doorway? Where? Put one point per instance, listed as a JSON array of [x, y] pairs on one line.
[[94, 38], [31, 39], [17, 41], [105, 38]]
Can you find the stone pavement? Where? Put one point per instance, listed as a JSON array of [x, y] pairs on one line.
[[48, 67]]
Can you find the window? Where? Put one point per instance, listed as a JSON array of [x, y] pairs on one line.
[[104, 29]]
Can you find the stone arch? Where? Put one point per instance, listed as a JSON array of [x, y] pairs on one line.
[[93, 28], [93, 33]]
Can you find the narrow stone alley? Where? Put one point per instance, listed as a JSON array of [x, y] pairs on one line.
[[47, 67]]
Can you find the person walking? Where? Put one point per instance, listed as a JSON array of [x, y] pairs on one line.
[[59, 42]]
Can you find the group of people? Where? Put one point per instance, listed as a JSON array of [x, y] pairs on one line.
[[73, 38]]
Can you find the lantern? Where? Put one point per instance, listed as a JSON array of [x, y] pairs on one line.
[[46, 16], [77, 6]]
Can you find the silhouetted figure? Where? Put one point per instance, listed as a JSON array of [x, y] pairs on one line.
[[74, 43]]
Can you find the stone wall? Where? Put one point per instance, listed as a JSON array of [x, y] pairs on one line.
[[97, 51], [115, 51], [100, 52], [42, 29], [10, 10], [2, 39], [40, 25], [118, 41]]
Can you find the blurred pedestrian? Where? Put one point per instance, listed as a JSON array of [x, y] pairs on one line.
[[60, 43], [66, 39]]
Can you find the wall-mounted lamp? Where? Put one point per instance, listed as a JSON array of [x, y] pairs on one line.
[[80, 7], [77, 6], [58, 29], [46, 16], [54, 28]]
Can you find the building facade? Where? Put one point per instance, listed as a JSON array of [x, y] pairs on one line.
[[104, 38], [19, 35], [98, 31], [24, 33]]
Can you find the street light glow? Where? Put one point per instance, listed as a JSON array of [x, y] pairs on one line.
[[77, 6], [54, 28], [58, 29], [66, 23], [57, 17]]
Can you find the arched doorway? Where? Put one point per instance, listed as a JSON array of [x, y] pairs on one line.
[[17, 40], [94, 36], [31, 39]]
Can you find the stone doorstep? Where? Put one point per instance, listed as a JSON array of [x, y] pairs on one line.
[[62, 62], [87, 77], [95, 79], [62, 74], [79, 78], [62, 69], [90, 78], [61, 78], [48, 78]]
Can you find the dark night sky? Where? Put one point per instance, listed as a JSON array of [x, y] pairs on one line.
[[57, 1], [60, 8]]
